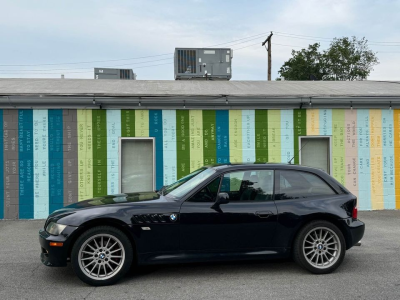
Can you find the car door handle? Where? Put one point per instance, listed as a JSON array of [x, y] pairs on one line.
[[263, 214]]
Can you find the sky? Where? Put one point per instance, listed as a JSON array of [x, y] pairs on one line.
[[44, 39]]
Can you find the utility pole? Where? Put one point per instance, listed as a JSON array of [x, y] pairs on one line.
[[268, 40]]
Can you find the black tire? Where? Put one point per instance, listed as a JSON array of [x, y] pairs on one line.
[[307, 262], [125, 263]]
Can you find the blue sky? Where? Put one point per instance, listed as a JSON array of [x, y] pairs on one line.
[[55, 32]]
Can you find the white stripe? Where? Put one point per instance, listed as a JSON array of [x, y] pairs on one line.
[[248, 136], [40, 164], [113, 134], [169, 145], [287, 133]]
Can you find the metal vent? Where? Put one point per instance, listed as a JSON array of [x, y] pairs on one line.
[[124, 74], [187, 61]]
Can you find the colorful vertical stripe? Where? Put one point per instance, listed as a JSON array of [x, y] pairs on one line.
[[196, 139], [41, 163], [113, 134], [25, 153], [209, 138], [128, 123], [182, 143], [56, 158], [364, 168], [142, 123], [388, 159], [376, 158], [287, 136], [156, 131], [222, 119], [338, 149], [274, 136], [235, 136], [351, 170], [248, 136], [85, 154], [99, 125], [312, 121], [169, 146], [70, 155], [396, 124], [300, 129], [325, 121]]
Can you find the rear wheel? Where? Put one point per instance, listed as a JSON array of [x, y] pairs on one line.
[[102, 255], [319, 247]]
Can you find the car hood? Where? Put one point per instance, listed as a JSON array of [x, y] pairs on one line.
[[113, 200]]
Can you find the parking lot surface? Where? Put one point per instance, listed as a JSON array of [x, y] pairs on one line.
[[371, 271]]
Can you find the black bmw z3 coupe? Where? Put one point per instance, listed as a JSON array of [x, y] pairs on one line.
[[220, 212]]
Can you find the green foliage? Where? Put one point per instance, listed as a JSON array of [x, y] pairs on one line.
[[345, 59]]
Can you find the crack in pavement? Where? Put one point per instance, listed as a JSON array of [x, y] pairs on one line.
[[84, 298]]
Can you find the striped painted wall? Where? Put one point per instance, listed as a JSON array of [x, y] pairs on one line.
[[52, 158]]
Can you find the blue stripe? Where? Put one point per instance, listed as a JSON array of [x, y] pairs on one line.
[[222, 117], [1, 168], [155, 130], [56, 192], [25, 159], [364, 168], [388, 159]]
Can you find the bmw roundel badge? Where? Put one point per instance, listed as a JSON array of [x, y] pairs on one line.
[[173, 217]]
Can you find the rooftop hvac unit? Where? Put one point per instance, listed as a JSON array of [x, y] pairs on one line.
[[203, 64], [107, 73]]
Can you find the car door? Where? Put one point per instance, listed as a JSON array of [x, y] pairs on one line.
[[247, 221]]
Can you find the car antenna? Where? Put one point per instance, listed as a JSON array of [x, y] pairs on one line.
[[290, 161]]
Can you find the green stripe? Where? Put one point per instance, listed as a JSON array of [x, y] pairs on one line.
[[182, 143], [209, 141], [261, 132], [99, 125], [300, 129], [127, 122]]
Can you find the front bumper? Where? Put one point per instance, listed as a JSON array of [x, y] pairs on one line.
[[355, 231], [55, 256]]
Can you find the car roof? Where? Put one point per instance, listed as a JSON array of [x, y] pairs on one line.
[[260, 165]]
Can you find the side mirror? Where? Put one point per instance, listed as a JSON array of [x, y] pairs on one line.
[[223, 198]]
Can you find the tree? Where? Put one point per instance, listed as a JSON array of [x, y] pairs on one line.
[[349, 59], [345, 59], [306, 64]]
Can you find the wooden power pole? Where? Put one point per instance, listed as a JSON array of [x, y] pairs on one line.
[[268, 40]]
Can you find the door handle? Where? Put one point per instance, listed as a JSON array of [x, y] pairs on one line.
[[263, 214]]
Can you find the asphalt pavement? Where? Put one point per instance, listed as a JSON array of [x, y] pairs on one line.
[[371, 271]]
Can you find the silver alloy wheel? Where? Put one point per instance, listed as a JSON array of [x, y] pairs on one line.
[[101, 256], [321, 247]]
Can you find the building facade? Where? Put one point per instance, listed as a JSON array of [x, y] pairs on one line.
[[54, 157]]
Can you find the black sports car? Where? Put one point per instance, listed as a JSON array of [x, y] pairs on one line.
[[221, 212]]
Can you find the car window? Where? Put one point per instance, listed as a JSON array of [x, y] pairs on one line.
[[297, 185], [207, 194], [254, 185]]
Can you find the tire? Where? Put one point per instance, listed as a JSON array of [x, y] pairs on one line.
[[102, 255], [319, 247]]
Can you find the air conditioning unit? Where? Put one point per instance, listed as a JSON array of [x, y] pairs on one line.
[[107, 73], [203, 63]]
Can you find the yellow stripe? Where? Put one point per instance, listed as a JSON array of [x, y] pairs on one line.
[[196, 139], [274, 136], [235, 136], [142, 123], [375, 116], [396, 125], [312, 121]]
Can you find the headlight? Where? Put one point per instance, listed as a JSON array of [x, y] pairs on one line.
[[54, 228]]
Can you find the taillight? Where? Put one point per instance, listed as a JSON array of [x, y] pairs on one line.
[[354, 213]]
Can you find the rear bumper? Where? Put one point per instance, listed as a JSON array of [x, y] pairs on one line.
[[55, 256], [354, 231]]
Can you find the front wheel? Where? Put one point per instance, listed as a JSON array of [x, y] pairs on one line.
[[102, 255], [319, 247]]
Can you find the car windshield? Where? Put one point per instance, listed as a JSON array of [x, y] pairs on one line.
[[187, 183]]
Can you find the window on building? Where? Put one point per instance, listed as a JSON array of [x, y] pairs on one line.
[[297, 185], [137, 164], [256, 185], [315, 152]]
